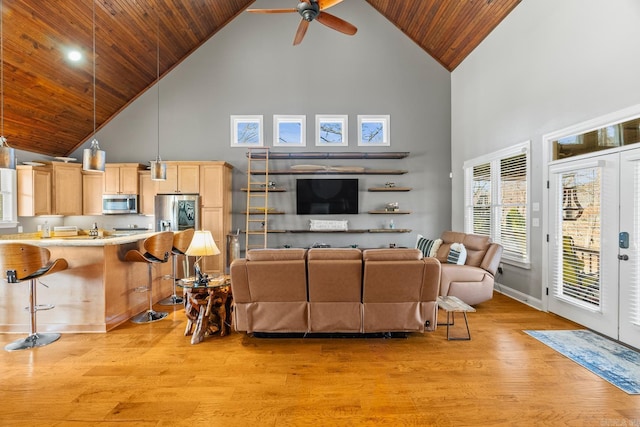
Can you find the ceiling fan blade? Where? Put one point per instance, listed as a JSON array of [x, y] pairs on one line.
[[326, 4], [302, 30], [272, 10], [336, 23]]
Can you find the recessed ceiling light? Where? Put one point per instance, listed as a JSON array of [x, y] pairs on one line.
[[74, 56]]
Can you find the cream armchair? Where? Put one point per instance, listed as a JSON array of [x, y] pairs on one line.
[[472, 282]]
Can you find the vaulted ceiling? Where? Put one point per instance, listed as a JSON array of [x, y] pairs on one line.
[[48, 104]]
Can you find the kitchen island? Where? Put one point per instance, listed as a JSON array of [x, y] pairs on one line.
[[95, 294]]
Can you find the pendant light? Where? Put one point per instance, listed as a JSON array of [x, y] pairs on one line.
[[158, 167], [7, 154], [93, 158]]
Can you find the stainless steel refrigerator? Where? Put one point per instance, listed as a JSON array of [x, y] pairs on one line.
[[176, 212]]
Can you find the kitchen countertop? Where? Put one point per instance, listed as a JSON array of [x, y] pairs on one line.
[[80, 240]]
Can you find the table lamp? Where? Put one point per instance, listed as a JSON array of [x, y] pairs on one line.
[[201, 245]]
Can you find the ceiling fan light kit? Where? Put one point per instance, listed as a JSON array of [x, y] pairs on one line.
[[314, 10]]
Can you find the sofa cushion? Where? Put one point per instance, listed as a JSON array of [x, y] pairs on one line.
[[428, 247], [334, 253], [288, 254], [457, 254], [477, 247], [400, 254]]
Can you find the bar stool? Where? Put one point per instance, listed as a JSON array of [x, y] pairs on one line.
[[157, 249], [181, 241], [20, 262]]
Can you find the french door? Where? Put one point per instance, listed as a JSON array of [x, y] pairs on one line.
[[594, 224], [629, 248]]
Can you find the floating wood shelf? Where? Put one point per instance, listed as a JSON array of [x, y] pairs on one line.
[[327, 231], [331, 172], [371, 230], [390, 189], [259, 212], [273, 155], [262, 190], [382, 211]]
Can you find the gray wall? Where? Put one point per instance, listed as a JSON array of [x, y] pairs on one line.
[[550, 64], [251, 67]]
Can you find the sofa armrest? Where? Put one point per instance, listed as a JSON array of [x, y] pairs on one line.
[[492, 258], [460, 273], [431, 284], [240, 281]]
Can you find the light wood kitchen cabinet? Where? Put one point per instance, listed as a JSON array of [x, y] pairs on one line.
[[121, 178], [92, 186], [215, 195], [34, 190], [147, 193], [66, 188], [182, 177]]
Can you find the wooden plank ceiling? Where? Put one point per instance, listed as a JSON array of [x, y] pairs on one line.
[[48, 103]]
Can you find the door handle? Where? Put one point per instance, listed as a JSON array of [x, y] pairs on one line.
[[623, 257]]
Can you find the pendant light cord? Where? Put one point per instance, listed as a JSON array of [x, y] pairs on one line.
[[2, 68], [94, 68], [157, 73]]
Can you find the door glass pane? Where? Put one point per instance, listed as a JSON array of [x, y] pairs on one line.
[[614, 135], [580, 230]]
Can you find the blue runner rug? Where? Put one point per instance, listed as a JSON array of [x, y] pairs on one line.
[[611, 361]]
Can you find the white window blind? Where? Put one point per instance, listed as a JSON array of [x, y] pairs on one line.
[[481, 199], [634, 294], [497, 200], [8, 198]]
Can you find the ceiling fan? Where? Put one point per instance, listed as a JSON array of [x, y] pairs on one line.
[[310, 10]]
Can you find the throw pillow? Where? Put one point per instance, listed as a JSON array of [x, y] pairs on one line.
[[427, 246], [457, 254]]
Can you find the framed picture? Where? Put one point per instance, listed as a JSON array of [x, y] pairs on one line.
[[373, 130], [289, 131], [246, 131], [331, 130]]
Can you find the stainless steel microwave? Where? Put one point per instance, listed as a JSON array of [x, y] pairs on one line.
[[119, 204]]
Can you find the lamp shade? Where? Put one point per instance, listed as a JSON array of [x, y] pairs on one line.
[[202, 244], [7, 155], [93, 158], [158, 170]]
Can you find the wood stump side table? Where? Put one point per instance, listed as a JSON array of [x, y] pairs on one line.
[[207, 307]]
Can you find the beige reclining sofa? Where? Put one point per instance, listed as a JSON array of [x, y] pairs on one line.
[[334, 290], [472, 282]]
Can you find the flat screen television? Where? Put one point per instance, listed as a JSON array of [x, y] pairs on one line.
[[324, 196]]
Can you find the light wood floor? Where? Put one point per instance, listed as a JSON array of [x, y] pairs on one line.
[[150, 375]]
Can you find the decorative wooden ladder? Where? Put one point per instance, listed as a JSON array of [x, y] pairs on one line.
[[257, 225]]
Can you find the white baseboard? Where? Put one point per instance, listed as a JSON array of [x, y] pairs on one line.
[[519, 296]]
